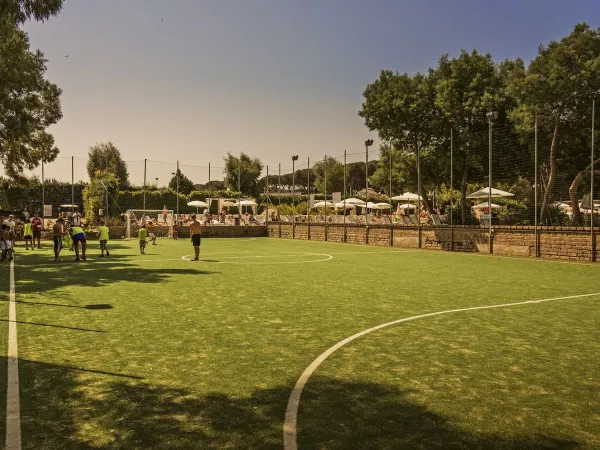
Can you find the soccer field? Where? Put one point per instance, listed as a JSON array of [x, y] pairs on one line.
[[157, 351]]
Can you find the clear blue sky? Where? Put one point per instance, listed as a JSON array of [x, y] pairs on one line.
[[192, 80]]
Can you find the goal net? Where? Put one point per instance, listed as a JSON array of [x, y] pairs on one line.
[[161, 224]]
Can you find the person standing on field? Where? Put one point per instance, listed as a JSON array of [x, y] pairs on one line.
[[36, 225], [196, 234], [103, 233], [58, 231], [165, 214], [28, 234]]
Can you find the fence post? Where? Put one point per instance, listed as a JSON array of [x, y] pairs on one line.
[[268, 200], [239, 196], [177, 173], [279, 195], [391, 221], [209, 201], [368, 143], [535, 194], [451, 189], [419, 195], [592, 246], [308, 205], [43, 195], [72, 183], [344, 196], [145, 166], [325, 191]]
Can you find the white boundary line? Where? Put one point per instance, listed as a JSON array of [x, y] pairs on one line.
[[13, 406], [290, 432], [327, 258]]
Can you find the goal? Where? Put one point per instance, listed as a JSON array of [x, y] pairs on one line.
[[162, 224]]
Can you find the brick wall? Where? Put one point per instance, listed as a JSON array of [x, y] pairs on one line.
[[567, 243]]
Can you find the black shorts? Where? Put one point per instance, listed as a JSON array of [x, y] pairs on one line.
[[196, 240], [28, 237], [37, 233]]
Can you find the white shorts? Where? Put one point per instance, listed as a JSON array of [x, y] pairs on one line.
[[5, 245]]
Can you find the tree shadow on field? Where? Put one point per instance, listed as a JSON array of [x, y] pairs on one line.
[[71, 408], [34, 277]]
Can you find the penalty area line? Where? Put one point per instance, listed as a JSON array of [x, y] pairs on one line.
[[290, 431]]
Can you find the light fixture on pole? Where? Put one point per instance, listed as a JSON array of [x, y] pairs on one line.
[[294, 159], [491, 117]]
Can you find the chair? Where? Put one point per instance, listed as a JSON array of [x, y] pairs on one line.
[[435, 218]]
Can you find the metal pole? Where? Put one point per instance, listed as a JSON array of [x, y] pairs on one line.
[[279, 192], [294, 183], [390, 216], [535, 192], [308, 205], [419, 194], [366, 193], [593, 256], [145, 166], [325, 192], [72, 183], [268, 200], [344, 195], [491, 237], [177, 190], [209, 202], [239, 194], [43, 194], [451, 190]]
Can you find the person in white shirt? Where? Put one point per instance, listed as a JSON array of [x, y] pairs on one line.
[[10, 223], [76, 219]]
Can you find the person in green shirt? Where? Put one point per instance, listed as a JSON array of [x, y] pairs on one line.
[[103, 235], [28, 234], [142, 236], [78, 236]]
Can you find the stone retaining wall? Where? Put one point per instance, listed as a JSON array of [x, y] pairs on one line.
[[567, 243]]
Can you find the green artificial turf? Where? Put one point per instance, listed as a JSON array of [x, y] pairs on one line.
[[158, 352]]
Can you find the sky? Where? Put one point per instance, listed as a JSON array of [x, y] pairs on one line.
[[191, 80]]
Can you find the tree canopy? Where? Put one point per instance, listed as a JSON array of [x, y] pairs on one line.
[[243, 171], [185, 184], [106, 157]]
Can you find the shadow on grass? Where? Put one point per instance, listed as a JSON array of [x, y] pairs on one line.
[[54, 326], [70, 408], [34, 274]]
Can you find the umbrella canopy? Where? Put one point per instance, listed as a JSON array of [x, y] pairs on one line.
[[406, 197], [197, 204], [407, 205], [354, 202], [485, 205], [69, 206], [324, 204], [484, 193], [228, 204], [341, 205], [382, 205], [246, 203]]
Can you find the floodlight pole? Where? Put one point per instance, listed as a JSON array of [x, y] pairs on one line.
[[451, 190], [43, 193], [177, 176], [491, 116], [535, 192], [368, 143], [308, 204], [344, 195], [72, 183], [592, 250], [145, 167]]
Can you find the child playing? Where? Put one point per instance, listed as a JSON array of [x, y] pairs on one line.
[[142, 236], [6, 238], [151, 233], [175, 231], [103, 234], [28, 234]]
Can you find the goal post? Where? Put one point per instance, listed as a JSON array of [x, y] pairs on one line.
[[162, 223]]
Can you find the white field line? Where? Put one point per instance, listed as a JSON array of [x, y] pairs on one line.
[[290, 432], [13, 406]]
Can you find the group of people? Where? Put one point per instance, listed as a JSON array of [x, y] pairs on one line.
[[145, 234], [74, 236]]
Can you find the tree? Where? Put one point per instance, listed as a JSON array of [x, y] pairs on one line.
[[18, 11], [185, 184], [335, 175], [95, 193], [243, 171], [468, 87], [29, 103], [401, 108], [404, 172], [106, 157], [559, 85]]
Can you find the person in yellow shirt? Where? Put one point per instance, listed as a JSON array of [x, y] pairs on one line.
[[103, 235], [142, 236], [28, 234]]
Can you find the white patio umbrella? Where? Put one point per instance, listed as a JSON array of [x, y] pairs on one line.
[[370, 205], [485, 205], [354, 202], [197, 204], [341, 205], [323, 204], [246, 203], [382, 205], [227, 203], [406, 197], [484, 193], [69, 206]]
